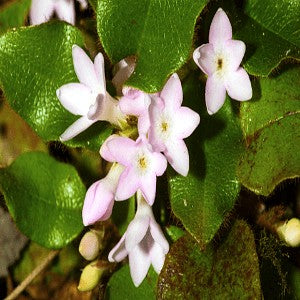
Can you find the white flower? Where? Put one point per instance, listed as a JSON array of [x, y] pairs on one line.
[[143, 242], [88, 98]]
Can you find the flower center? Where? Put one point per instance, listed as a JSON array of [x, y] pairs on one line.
[[164, 126], [142, 162], [220, 64]]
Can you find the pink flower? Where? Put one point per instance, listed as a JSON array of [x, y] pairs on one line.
[[171, 123], [143, 242], [136, 103], [42, 10], [220, 60], [142, 165], [88, 98], [99, 199]]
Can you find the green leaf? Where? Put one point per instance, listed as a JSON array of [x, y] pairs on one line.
[[270, 124], [44, 197], [93, 3], [278, 16], [227, 271], [34, 63], [120, 286], [158, 32], [13, 14], [203, 198]]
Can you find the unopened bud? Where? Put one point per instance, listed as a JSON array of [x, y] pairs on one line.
[[89, 245], [290, 232], [90, 277]]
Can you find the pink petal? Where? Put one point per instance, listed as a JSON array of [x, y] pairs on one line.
[[186, 122], [157, 257], [136, 231], [134, 102], [77, 127], [235, 51], [238, 85], [100, 73], [41, 11], [83, 4], [128, 185], [139, 263], [178, 156], [215, 94], [98, 202], [158, 236], [119, 252], [204, 57], [143, 123], [159, 163], [84, 69], [76, 98], [220, 29], [122, 149], [172, 93], [148, 187], [104, 152], [65, 10]]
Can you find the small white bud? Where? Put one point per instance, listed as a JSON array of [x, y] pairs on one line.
[[289, 232], [89, 245]]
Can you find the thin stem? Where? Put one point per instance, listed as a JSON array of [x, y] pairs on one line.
[[22, 286]]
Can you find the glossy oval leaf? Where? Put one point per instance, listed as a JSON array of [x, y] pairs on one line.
[[34, 62], [120, 286], [281, 17], [44, 197], [229, 270], [158, 32], [271, 123], [13, 14], [203, 198]]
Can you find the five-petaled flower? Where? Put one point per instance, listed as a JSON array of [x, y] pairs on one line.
[[88, 98], [220, 60], [42, 10], [171, 123], [141, 163], [143, 242]]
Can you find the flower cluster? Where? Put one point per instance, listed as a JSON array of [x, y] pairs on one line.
[[162, 125]]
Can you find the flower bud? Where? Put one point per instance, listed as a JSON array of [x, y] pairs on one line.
[[290, 232], [90, 277], [89, 245]]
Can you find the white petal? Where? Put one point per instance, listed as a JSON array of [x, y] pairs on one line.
[[220, 29], [158, 236], [204, 57], [119, 252], [157, 257], [65, 10], [136, 231], [85, 69], [215, 94], [186, 121], [76, 98], [148, 187], [139, 263], [41, 11], [104, 152], [172, 93], [129, 183], [235, 51], [77, 127], [238, 85], [178, 156], [100, 73]]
